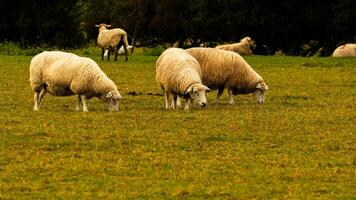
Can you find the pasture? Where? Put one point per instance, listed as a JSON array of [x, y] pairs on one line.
[[299, 145]]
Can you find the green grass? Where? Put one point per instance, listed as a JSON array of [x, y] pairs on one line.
[[299, 145]]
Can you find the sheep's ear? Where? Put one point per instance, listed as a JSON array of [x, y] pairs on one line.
[[258, 86], [189, 89], [108, 25], [96, 25], [108, 95], [207, 89]]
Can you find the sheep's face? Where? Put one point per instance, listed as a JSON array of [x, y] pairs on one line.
[[260, 92], [250, 42], [197, 94], [112, 99]]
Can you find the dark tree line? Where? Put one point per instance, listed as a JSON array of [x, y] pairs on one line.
[[274, 24]]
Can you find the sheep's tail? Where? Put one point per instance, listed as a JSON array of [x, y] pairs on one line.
[[124, 39]]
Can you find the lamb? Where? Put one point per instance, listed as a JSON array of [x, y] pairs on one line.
[[111, 40], [225, 69], [65, 74], [346, 50], [179, 74], [242, 48], [121, 50]]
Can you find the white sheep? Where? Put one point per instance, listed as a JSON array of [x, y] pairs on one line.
[[346, 50], [121, 50], [242, 48], [179, 74], [111, 40], [225, 69], [65, 74]]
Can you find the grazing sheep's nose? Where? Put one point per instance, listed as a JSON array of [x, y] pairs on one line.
[[260, 102], [202, 104]]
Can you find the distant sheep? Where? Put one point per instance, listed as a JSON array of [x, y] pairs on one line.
[[346, 50], [121, 50], [179, 74], [111, 40], [225, 69], [242, 48], [65, 74]]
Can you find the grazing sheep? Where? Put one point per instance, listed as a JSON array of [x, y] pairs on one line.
[[65, 74], [121, 50], [111, 40], [346, 50], [225, 69], [242, 48], [179, 74]]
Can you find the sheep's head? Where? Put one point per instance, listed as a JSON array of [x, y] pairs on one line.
[[130, 49], [260, 92], [249, 41], [197, 94], [112, 99], [102, 26]]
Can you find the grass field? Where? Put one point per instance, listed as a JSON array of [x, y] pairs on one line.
[[299, 145]]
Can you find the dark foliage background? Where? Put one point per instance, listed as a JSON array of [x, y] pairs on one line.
[[297, 27]]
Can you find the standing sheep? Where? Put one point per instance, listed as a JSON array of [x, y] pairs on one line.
[[346, 50], [225, 69], [242, 48], [179, 74], [111, 40], [65, 74]]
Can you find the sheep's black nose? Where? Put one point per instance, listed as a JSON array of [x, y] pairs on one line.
[[203, 104]]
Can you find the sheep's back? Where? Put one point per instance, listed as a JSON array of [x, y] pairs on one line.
[[46, 62], [111, 38], [221, 68], [346, 50], [63, 70], [176, 70]]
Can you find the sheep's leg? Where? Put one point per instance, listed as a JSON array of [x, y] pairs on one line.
[[102, 54], [187, 102], [78, 103], [217, 99], [174, 102], [85, 108], [178, 102], [109, 54], [166, 95], [35, 107], [126, 52], [231, 97], [116, 51], [40, 97]]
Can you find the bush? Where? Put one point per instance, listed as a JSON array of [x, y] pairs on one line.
[[156, 51], [12, 48], [9, 48]]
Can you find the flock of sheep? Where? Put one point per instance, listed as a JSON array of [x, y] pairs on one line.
[[184, 74]]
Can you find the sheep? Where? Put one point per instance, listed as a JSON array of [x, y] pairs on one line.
[[111, 40], [225, 69], [242, 48], [179, 74], [121, 50], [65, 74], [346, 50]]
